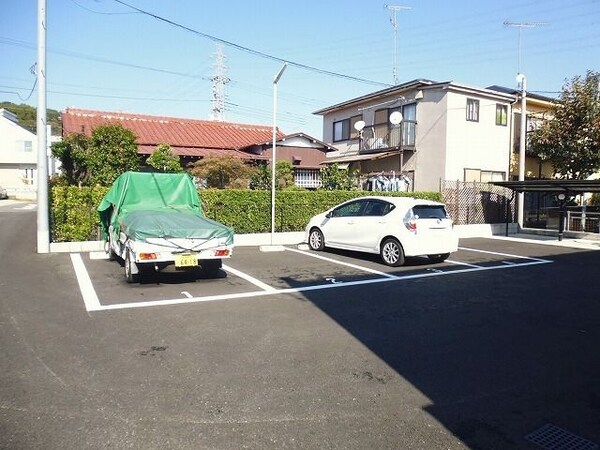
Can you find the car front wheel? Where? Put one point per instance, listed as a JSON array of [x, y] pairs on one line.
[[392, 252], [129, 275], [316, 241]]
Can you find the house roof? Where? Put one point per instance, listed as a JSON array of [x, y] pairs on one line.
[[190, 137], [315, 143], [418, 84], [516, 92], [201, 152], [553, 185], [374, 95]]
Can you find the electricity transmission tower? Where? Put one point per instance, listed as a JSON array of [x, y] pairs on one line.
[[394, 20], [219, 80], [520, 26]]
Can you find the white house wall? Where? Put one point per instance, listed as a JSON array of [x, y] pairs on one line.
[[429, 161], [479, 145], [15, 161]]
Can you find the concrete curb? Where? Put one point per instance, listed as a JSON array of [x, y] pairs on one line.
[[265, 240]]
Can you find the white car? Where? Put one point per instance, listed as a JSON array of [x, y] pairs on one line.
[[393, 227]]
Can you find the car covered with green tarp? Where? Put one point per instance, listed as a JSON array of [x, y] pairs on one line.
[[155, 220]]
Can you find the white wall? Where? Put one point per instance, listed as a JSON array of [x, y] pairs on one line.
[[475, 145], [15, 161]]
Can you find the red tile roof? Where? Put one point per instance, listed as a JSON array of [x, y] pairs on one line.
[[189, 137]]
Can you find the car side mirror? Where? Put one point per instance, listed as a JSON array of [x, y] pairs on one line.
[[329, 215]]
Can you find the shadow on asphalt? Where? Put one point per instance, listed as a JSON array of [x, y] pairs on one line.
[[498, 353]]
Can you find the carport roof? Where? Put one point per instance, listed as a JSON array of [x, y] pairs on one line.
[[567, 186]]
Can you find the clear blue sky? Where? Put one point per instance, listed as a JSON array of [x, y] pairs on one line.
[[104, 55]]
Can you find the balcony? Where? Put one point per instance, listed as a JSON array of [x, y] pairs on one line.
[[378, 138]]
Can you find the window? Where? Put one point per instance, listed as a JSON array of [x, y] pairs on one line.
[[307, 178], [483, 176], [429, 212], [349, 209], [24, 146], [344, 130], [378, 208], [501, 114], [472, 110]]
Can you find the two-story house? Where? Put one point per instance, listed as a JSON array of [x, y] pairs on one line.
[[431, 131], [18, 157]]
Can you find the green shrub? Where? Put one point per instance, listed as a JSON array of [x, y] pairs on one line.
[[74, 216]]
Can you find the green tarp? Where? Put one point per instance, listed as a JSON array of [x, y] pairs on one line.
[[165, 205]]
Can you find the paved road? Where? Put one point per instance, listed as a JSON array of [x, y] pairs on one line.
[[471, 359]]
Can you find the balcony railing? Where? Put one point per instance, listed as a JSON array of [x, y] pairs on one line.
[[381, 137]]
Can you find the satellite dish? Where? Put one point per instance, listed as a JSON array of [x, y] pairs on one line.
[[395, 117], [358, 126]]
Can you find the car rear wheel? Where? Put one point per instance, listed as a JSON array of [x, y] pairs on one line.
[[392, 252], [129, 266], [440, 257], [211, 267], [316, 241]]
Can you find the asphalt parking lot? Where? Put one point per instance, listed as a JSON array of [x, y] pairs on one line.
[[299, 349], [252, 273]]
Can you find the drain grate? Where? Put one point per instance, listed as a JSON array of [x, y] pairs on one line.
[[552, 437]]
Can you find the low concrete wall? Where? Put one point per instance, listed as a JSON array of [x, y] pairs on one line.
[[290, 238], [486, 229]]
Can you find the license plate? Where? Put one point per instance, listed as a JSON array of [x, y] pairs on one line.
[[186, 260]]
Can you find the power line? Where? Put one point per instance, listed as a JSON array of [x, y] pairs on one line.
[[252, 51]]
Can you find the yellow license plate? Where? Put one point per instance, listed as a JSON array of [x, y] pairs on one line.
[[186, 260]]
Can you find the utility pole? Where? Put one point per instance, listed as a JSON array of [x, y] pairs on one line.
[[522, 81], [520, 26], [219, 80], [394, 20], [43, 228]]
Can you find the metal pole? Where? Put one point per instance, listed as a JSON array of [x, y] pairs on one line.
[[43, 233], [274, 150], [522, 143]]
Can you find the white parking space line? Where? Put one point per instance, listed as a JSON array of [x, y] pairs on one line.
[[508, 255], [92, 302], [342, 263], [245, 276], [459, 263], [90, 298]]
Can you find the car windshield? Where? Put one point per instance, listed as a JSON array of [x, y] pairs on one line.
[[430, 211]]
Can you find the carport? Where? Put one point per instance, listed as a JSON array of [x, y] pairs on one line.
[[563, 189]]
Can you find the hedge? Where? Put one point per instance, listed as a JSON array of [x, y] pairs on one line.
[[74, 216]]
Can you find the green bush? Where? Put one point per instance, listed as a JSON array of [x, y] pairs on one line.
[[74, 216]]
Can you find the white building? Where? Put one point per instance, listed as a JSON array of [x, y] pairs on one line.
[[18, 157], [448, 131]]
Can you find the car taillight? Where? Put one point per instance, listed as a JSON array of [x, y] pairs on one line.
[[411, 225], [224, 252], [147, 256]]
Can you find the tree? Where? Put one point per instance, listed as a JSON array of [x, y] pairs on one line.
[[112, 151], [260, 179], [72, 152], [570, 138], [222, 171], [284, 174], [333, 178], [27, 116], [164, 160]]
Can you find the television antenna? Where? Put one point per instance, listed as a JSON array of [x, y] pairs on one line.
[[520, 26], [394, 20]]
